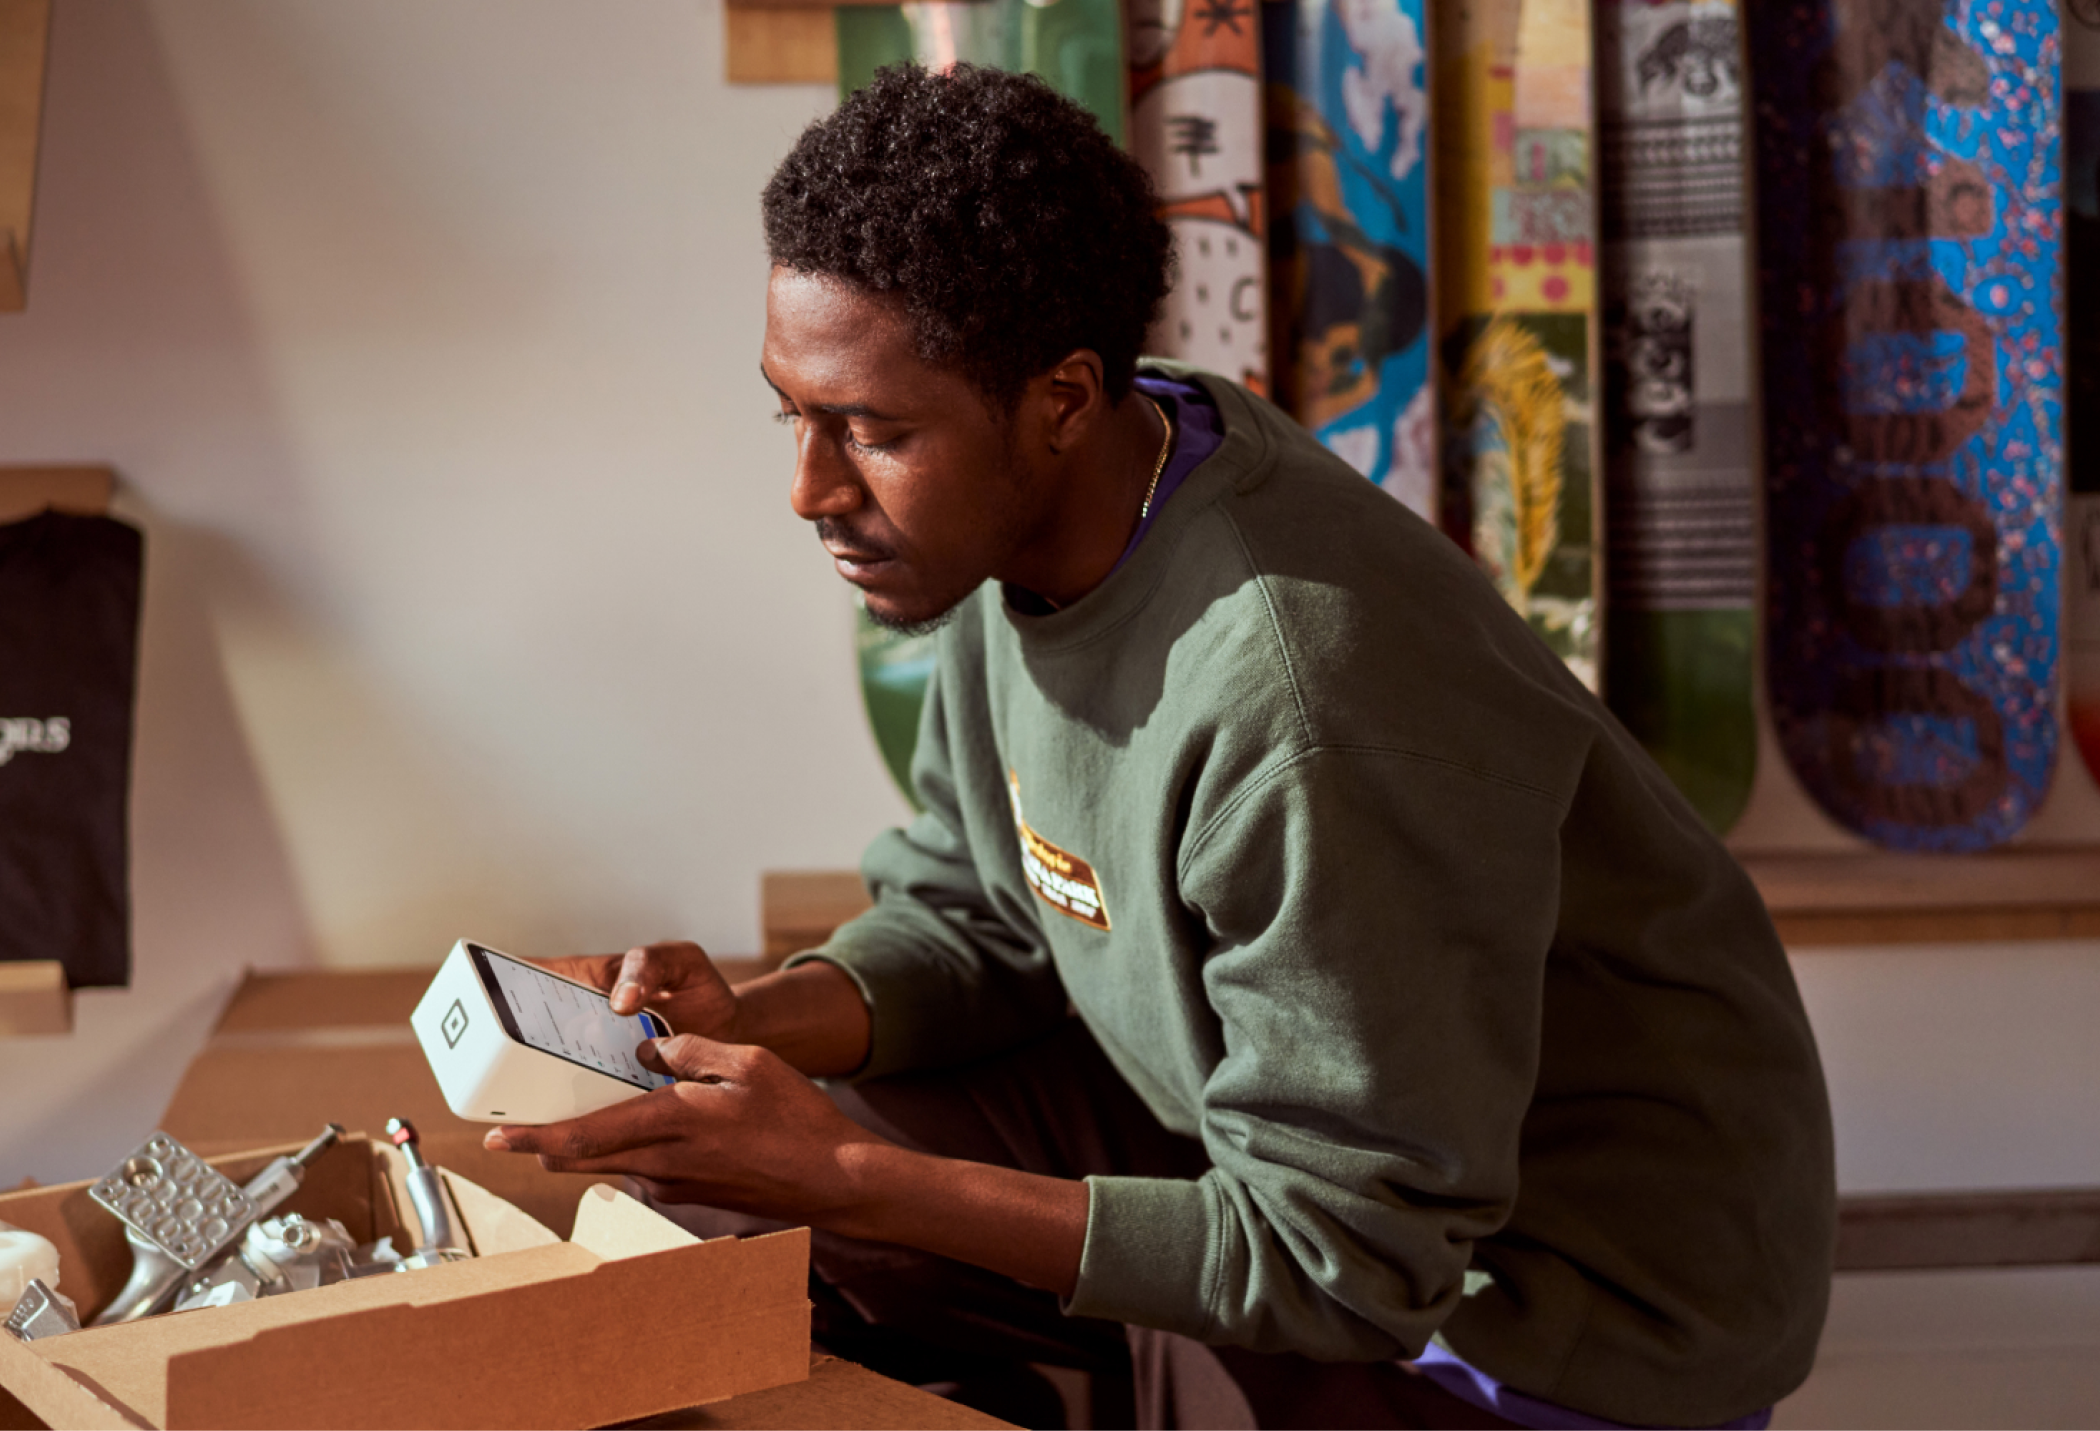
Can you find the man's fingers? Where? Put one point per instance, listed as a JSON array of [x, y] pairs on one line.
[[689, 1058], [597, 970], [634, 1123], [636, 984]]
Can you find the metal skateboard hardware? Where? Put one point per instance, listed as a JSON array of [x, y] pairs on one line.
[[181, 1215], [440, 1243], [281, 1254], [42, 1312]]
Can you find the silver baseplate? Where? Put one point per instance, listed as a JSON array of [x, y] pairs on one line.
[[175, 1200]]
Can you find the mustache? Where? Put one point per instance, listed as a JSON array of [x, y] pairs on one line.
[[834, 533]]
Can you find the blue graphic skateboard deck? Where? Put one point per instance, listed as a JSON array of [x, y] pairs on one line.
[[1347, 115], [1909, 218]]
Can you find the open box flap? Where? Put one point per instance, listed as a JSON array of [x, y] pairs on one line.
[[599, 1340], [55, 1395], [488, 1223], [614, 1225]]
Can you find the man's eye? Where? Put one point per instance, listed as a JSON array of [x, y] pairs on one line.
[[786, 418], [865, 444]]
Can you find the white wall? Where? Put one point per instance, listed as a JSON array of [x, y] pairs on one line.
[[423, 334], [424, 337]]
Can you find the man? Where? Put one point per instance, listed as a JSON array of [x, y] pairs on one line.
[[1293, 964]]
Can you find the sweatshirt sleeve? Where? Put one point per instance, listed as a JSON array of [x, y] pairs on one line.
[[949, 974], [1378, 924]]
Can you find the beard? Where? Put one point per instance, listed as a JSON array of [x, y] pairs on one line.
[[908, 626]]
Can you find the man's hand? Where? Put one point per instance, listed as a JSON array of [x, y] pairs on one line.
[[742, 1129], [812, 1015], [674, 978]]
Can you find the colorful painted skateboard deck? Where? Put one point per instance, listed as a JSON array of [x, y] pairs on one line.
[[1516, 288], [1347, 115], [1196, 126], [1681, 569], [1908, 219], [1077, 45], [2081, 141]]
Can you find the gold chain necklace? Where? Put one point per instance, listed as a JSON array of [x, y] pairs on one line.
[[1166, 449]]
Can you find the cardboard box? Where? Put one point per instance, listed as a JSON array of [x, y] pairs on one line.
[[297, 1050], [631, 1317], [838, 1394]]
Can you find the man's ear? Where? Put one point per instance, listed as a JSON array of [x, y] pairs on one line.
[[1070, 398]]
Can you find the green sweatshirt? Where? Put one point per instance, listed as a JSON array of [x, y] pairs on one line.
[[1487, 1038]]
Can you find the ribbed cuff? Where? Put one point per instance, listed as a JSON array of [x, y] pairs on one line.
[[1147, 1255]]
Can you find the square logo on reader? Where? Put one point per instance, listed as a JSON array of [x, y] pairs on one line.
[[454, 1025]]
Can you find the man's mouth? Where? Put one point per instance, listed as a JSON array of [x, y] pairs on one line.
[[851, 560]]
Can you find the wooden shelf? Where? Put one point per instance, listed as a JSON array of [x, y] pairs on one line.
[[2052, 1227], [782, 41], [798, 909], [25, 491], [34, 999], [25, 35], [2016, 894], [2047, 892]]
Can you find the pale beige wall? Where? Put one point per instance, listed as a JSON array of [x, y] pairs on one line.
[[424, 336]]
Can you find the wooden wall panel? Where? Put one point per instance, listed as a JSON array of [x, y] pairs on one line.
[[25, 32]]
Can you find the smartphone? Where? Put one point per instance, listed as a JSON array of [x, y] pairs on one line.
[[512, 1043]]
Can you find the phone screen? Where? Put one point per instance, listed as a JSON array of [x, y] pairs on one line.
[[543, 1011]]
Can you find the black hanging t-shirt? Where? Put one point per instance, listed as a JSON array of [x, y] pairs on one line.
[[69, 620]]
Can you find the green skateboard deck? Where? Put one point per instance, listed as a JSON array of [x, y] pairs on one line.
[[1680, 624], [1076, 45], [1516, 285]]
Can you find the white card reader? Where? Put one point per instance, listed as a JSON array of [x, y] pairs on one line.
[[511, 1043]]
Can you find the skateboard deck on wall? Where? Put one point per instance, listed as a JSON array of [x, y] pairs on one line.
[[1347, 111], [1908, 221], [1077, 45], [1681, 567], [1196, 126], [2081, 152], [1516, 291]]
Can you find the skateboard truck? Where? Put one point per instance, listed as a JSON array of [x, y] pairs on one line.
[[280, 1254], [182, 1216], [42, 1312], [427, 1192]]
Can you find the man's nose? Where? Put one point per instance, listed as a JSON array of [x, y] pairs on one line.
[[825, 483]]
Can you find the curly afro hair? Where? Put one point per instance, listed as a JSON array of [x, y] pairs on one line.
[[1012, 229]]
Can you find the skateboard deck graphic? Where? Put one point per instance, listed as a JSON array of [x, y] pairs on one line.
[[1908, 218], [1516, 290], [1347, 112], [2081, 141], [1681, 569], [1077, 45], [1195, 124]]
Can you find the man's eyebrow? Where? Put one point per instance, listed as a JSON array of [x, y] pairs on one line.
[[842, 409]]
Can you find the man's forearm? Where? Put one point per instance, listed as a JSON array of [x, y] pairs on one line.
[[1027, 1226], [811, 1015]]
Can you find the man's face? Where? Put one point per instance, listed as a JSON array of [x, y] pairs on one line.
[[911, 478]]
